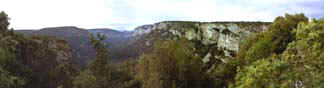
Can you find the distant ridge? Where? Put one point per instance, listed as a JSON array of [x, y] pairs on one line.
[[78, 40]]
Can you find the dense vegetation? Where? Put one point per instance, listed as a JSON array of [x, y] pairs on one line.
[[288, 55], [32, 62]]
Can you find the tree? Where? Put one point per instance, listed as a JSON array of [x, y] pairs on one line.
[[299, 65], [264, 73], [172, 64], [31, 62], [11, 69], [3, 22], [85, 80], [48, 67], [99, 66], [127, 74], [101, 74], [282, 30], [98, 74], [8, 80], [305, 55], [275, 40], [258, 49]]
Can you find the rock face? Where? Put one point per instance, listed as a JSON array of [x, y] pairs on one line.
[[142, 30], [214, 40]]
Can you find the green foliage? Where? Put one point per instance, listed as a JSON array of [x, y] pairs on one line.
[[127, 72], [260, 49], [264, 73], [10, 69], [275, 40], [9, 81], [99, 66], [101, 74], [98, 74], [306, 54], [221, 74], [171, 64], [299, 62], [40, 54], [32, 62], [282, 30], [85, 80]]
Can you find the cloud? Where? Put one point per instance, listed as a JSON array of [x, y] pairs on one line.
[[128, 14]]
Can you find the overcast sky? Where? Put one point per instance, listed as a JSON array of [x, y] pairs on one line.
[[128, 14]]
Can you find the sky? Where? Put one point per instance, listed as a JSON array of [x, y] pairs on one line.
[[128, 14]]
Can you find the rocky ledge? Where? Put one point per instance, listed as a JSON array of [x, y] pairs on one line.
[[215, 40]]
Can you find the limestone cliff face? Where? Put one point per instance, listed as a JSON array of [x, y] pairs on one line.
[[213, 39], [144, 29]]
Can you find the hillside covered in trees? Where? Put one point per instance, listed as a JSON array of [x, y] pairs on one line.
[[286, 53], [78, 40]]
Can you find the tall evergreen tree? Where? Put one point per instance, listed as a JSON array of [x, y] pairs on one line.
[[4, 23], [98, 74], [99, 65]]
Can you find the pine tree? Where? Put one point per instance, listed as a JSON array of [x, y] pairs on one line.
[[99, 66], [3, 22], [99, 73]]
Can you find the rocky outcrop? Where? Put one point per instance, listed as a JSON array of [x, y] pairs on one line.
[[214, 40], [144, 29]]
